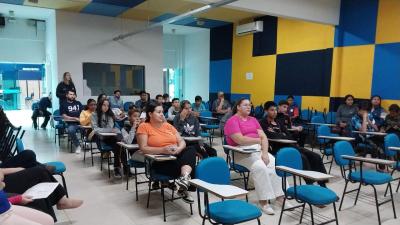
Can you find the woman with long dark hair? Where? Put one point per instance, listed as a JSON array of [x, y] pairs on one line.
[[156, 136], [64, 86], [103, 122], [344, 114], [377, 111]]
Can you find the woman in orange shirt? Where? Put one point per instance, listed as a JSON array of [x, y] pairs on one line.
[[156, 136]]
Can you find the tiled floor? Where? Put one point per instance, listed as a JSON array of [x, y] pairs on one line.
[[107, 201]]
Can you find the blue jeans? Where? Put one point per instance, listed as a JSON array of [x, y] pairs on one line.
[[71, 129]]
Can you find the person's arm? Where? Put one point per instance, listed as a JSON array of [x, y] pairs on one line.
[[7, 171], [170, 116], [128, 137], [239, 139], [83, 119], [146, 149], [339, 114], [197, 127], [181, 144], [66, 117], [264, 146], [59, 91], [363, 126]]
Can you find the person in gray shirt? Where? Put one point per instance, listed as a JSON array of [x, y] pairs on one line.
[[221, 106], [345, 112], [116, 101]]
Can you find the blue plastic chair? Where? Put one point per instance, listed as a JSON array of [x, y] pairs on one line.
[[331, 117], [241, 170], [324, 144], [259, 112], [392, 140], [59, 167], [304, 194], [305, 115], [210, 124], [361, 176], [215, 171], [59, 126], [127, 105]]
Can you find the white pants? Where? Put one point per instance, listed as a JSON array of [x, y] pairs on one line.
[[20, 215], [268, 185]]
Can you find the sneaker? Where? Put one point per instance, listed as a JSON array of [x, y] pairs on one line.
[[155, 185], [183, 182], [267, 209], [117, 173], [78, 150], [186, 196]]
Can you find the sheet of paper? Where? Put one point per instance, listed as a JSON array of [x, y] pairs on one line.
[[42, 190]]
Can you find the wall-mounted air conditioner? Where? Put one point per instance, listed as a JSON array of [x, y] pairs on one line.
[[249, 28]]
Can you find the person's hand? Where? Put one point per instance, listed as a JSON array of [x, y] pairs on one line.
[[300, 128], [170, 149], [265, 158], [396, 127], [115, 130], [342, 124], [77, 119], [184, 113], [365, 115], [26, 199]]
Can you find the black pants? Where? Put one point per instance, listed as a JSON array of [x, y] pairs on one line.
[[23, 180], [204, 151], [372, 145], [300, 137], [25, 159], [119, 155], [37, 113], [173, 168], [311, 160]]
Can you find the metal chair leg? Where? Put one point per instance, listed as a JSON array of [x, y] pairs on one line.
[[311, 214], [136, 185], [336, 217], [344, 191], [302, 213], [358, 193], [283, 207], [391, 197], [377, 205], [64, 184], [148, 194], [163, 202]]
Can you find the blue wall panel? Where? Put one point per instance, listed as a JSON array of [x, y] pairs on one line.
[[357, 24], [386, 75], [221, 75]]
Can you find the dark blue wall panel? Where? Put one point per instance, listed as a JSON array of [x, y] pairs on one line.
[[264, 43], [221, 42]]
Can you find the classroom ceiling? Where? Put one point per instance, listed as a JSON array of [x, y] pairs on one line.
[[145, 10]]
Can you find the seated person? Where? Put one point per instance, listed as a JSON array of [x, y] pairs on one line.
[[156, 136], [284, 120], [173, 110], [187, 124], [117, 106], [18, 180], [15, 214], [166, 103], [44, 103], [85, 119], [221, 106], [363, 121], [143, 101], [344, 114], [274, 130], [377, 111], [198, 105], [103, 121], [101, 96], [159, 99], [392, 121], [70, 111], [129, 132], [244, 130], [293, 109]]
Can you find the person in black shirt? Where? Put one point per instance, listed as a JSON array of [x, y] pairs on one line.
[[70, 111], [275, 130], [44, 103], [284, 120], [64, 86], [167, 103]]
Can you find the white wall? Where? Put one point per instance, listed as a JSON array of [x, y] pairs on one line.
[[320, 11], [88, 38], [22, 42], [197, 64]]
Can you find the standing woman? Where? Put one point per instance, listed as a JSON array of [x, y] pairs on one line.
[[377, 111], [64, 86], [103, 121], [244, 130]]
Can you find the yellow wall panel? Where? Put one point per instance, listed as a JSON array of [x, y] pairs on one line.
[[387, 103], [261, 88], [298, 36], [388, 23], [315, 102], [352, 71]]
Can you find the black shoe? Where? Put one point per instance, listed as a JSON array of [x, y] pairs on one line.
[[44, 128], [155, 185], [186, 197], [117, 173]]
